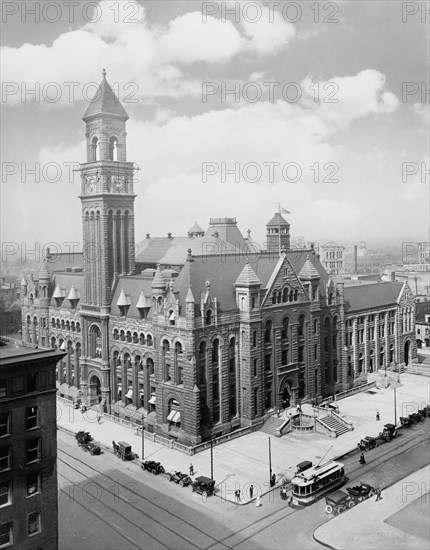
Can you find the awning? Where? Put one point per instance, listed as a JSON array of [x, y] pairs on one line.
[[176, 417], [152, 400], [141, 395], [129, 394], [171, 415], [119, 387]]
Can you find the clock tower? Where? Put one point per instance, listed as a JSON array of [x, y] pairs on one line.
[[107, 198]]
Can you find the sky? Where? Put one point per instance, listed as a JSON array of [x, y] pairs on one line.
[[234, 109]]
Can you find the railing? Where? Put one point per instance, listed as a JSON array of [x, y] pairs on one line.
[[352, 391], [331, 431], [283, 426], [347, 424]]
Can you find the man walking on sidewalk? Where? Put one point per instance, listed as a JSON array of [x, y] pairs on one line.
[[378, 494]]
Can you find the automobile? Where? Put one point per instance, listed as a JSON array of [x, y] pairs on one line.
[[152, 467], [123, 450], [389, 432], [203, 485], [91, 447], [359, 493], [83, 437], [367, 443], [180, 478], [337, 502]]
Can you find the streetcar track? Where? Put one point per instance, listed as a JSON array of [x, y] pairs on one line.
[[150, 502], [100, 516]]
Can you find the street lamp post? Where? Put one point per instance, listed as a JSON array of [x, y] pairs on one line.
[[143, 437], [212, 459]]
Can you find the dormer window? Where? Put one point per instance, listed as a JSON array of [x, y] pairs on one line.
[[172, 318], [208, 320]]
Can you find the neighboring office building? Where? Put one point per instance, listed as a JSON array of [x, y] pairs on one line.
[[28, 447], [332, 258], [422, 327]]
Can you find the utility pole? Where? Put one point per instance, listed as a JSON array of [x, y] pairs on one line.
[[270, 465], [212, 459]]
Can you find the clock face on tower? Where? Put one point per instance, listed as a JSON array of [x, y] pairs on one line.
[[119, 183], [90, 183]]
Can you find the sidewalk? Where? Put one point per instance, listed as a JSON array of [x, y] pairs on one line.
[[400, 520], [241, 462]]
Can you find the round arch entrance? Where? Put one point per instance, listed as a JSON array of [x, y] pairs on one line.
[[407, 353], [286, 395], [94, 389]]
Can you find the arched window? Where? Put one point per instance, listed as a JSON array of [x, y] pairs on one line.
[[330, 299], [268, 332], [360, 363], [253, 302], [254, 338], [113, 148], [215, 351], [53, 323], [201, 378], [296, 295], [115, 334], [381, 356], [95, 151], [301, 327], [285, 328], [279, 297], [335, 320], [122, 336], [57, 322], [285, 295], [135, 338], [208, 317], [349, 365], [78, 327], [315, 326], [141, 339], [128, 336], [73, 326], [291, 296], [232, 353], [68, 325], [274, 297], [150, 366], [165, 346], [149, 341]]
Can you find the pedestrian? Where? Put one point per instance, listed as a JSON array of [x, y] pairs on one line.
[[378, 417], [258, 501], [378, 494], [273, 480], [99, 418], [362, 459], [251, 491], [191, 470], [237, 495]]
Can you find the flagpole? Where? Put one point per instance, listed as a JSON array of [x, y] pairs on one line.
[[279, 228]]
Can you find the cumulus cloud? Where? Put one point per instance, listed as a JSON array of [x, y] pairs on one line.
[[345, 99]]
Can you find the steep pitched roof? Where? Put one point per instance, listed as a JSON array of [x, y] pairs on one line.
[[247, 277], [277, 221], [43, 272], [134, 286], [371, 296], [195, 229], [105, 102], [308, 271]]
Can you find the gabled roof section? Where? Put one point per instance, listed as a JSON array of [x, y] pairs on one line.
[[308, 271], [371, 296], [247, 277], [105, 102]]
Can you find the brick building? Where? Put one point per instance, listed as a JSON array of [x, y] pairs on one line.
[[28, 447], [199, 334]]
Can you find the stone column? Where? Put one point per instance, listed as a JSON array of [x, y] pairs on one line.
[[366, 344], [355, 345]]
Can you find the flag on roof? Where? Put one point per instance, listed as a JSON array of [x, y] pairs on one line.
[[283, 210]]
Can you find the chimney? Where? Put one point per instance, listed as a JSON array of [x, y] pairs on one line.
[[355, 259], [393, 276]]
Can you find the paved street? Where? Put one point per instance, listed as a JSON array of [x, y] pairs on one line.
[[105, 503]]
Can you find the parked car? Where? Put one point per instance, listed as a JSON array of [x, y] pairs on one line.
[[389, 432], [123, 450], [152, 467], [83, 437], [92, 448], [367, 443], [203, 485], [180, 478], [337, 502]]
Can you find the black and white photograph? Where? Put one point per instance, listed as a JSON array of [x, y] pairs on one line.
[[215, 275]]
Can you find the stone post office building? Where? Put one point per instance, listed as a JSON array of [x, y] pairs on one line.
[[202, 334]]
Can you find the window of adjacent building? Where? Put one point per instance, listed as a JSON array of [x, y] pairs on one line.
[[31, 418], [255, 367], [5, 493], [6, 537], [284, 356], [34, 523], [267, 361], [5, 458], [315, 351], [33, 483], [33, 450], [31, 382], [254, 338], [301, 354], [5, 424], [3, 388]]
